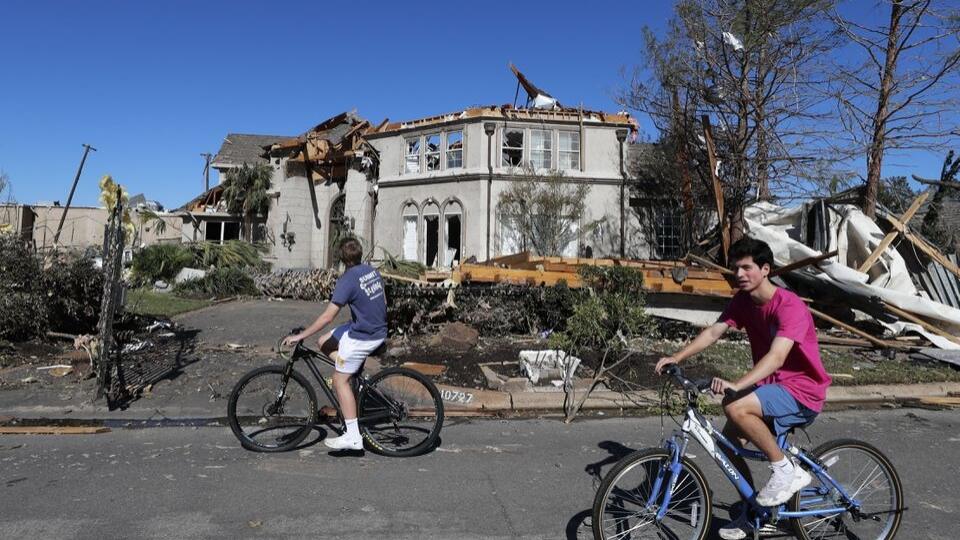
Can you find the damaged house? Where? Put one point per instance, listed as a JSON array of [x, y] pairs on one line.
[[428, 189]]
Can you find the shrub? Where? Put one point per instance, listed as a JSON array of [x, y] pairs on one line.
[[230, 254], [23, 310], [219, 283], [161, 261], [74, 288]]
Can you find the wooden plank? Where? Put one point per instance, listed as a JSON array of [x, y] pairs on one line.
[[52, 430], [717, 188], [802, 263], [923, 246], [914, 319], [507, 260], [876, 341], [710, 264], [945, 401], [892, 235]]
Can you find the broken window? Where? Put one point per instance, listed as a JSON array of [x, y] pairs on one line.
[[453, 221], [569, 150], [410, 232], [432, 154], [512, 153], [431, 234], [541, 149], [454, 149], [214, 231], [413, 155], [231, 231]]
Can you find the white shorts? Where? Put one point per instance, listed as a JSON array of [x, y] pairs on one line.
[[353, 352]]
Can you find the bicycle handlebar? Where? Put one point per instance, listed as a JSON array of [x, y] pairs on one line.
[[296, 346], [698, 386]]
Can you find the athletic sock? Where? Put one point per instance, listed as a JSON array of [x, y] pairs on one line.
[[783, 466], [352, 430]]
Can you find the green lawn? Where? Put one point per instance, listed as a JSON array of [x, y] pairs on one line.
[[148, 302], [847, 366]]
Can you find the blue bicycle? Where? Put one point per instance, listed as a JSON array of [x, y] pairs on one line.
[[660, 493]]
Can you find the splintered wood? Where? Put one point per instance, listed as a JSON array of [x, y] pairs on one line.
[[658, 276]]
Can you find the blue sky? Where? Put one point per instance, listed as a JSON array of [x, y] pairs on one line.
[[152, 85]]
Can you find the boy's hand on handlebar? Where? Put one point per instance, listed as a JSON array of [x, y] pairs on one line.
[[664, 362], [720, 386], [292, 340]]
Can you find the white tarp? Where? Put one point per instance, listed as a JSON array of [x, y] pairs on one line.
[[854, 236]]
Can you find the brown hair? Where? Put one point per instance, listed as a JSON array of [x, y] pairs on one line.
[[350, 252]]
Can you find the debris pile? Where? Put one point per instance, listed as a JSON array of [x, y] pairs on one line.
[[316, 284]]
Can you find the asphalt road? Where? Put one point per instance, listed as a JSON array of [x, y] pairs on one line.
[[489, 479]]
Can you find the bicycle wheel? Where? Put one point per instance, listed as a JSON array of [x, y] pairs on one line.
[[868, 477], [401, 413], [264, 421], [621, 509]]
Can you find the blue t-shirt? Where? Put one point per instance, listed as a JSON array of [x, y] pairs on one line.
[[361, 288]]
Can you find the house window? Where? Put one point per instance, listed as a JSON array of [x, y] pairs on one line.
[[432, 154], [412, 161], [214, 232], [431, 234], [668, 229], [454, 149], [452, 233], [512, 151], [541, 149], [511, 241], [231, 231], [569, 150], [410, 215]]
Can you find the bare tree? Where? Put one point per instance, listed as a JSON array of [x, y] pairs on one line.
[[898, 88], [544, 210], [751, 66]]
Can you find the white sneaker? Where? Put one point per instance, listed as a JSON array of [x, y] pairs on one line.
[[344, 442], [782, 486], [736, 529]]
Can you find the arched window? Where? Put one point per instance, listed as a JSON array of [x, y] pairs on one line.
[[452, 233], [431, 233], [409, 217]]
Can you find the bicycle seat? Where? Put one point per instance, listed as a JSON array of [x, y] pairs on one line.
[[379, 351]]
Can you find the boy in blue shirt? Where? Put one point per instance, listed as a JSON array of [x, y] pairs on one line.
[[361, 288]]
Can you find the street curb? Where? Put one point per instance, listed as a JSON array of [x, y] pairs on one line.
[[461, 401]]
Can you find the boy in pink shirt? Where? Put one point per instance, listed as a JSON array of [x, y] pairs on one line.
[[787, 384]]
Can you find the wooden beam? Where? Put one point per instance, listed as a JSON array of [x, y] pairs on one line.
[[803, 262], [917, 320], [52, 430], [892, 235], [710, 264], [876, 341], [717, 188]]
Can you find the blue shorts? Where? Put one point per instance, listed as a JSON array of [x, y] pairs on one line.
[[781, 410]]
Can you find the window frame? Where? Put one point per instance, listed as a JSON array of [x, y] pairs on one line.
[[426, 153], [523, 145], [447, 151], [548, 150], [561, 152], [407, 155]]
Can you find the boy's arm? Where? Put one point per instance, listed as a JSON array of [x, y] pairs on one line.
[[322, 321], [767, 366], [707, 337]]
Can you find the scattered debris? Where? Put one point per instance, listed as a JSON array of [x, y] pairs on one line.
[[455, 336], [548, 365]]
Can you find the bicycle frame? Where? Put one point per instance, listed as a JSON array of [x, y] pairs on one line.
[[697, 426], [309, 357]]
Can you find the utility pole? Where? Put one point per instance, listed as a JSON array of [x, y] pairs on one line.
[[206, 172], [86, 150]]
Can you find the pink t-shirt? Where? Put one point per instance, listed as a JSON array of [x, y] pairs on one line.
[[785, 315]]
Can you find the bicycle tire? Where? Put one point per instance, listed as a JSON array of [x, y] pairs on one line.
[[691, 485], [411, 425], [265, 381], [849, 460]]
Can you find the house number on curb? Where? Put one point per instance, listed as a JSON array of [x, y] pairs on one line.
[[456, 397]]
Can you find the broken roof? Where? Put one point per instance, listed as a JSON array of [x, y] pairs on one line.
[[240, 148], [507, 112]]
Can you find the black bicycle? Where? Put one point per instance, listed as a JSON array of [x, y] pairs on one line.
[[274, 408]]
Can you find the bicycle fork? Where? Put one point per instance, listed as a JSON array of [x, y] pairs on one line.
[[668, 473]]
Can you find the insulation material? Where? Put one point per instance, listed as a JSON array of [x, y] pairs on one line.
[[854, 236]]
